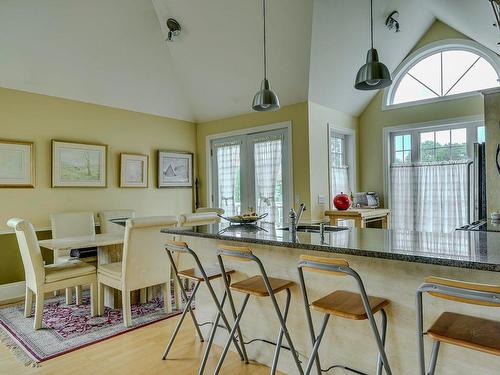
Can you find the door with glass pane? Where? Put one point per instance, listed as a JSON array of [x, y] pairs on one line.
[[252, 173]]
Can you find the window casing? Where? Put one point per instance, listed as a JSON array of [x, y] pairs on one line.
[[443, 70], [341, 162]]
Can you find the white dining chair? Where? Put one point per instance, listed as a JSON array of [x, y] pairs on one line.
[[105, 217], [41, 279], [71, 224], [197, 219], [201, 210], [145, 263]]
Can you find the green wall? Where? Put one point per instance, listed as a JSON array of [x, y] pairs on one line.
[[373, 119]]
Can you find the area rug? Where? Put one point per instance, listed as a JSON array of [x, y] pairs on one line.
[[68, 328]]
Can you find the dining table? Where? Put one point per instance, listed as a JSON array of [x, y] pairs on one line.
[[109, 249]]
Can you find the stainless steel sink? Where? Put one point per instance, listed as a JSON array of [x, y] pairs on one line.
[[315, 228]]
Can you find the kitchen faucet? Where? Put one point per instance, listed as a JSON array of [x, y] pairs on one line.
[[294, 218]]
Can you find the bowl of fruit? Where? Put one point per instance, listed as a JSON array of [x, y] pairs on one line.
[[246, 218]]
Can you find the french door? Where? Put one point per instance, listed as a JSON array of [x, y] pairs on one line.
[[251, 172]]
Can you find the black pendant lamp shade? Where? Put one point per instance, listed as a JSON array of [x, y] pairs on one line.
[[265, 100], [373, 75]]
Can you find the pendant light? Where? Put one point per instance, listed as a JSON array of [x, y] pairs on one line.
[[265, 100], [373, 75]]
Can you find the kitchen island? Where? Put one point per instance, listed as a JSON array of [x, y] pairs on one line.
[[392, 265]]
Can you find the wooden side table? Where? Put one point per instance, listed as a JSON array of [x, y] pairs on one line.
[[361, 216]]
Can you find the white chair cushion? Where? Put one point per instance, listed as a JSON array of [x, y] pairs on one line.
[[113, 270], [67, 270]]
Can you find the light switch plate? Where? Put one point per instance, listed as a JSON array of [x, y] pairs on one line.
[[321, 199]]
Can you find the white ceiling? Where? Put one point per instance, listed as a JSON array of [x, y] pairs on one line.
[[112, 52]]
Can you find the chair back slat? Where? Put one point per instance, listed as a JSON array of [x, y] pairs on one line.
[[72, 224], [465, 286], [323, 264], [236, 253]]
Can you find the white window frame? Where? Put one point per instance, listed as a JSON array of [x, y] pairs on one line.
[[286, 125], [469, 122], [350, 143], [414, 58]]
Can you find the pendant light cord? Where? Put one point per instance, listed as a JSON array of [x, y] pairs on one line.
[[265, 59], [371, 22]]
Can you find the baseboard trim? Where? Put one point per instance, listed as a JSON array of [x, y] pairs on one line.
[[12, 291]]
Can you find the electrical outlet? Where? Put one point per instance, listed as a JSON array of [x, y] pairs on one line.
[[321, 199]]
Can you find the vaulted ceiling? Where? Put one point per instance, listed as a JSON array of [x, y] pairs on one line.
[[113, 52]]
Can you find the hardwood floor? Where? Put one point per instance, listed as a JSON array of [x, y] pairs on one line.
[[137, 352]]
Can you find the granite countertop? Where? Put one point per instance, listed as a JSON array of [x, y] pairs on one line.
[[474, 250]]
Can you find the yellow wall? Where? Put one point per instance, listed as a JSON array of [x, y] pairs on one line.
[[40, 118], [492, 125], [296, 113], [373, 119], [319, 118]]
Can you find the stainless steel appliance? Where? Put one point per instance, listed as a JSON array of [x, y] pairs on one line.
[[477, 184]]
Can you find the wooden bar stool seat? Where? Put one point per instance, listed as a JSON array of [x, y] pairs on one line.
[[467, 331], [212, 272], [256, 286], [348, 305], [457, 329]]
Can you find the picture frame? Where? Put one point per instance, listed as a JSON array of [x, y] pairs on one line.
[[17, 164], [175, 169], [77, 164], [134, 170]]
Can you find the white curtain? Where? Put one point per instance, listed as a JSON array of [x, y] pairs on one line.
[[228, 168], [339, 180], [267, 157], [429, 197]]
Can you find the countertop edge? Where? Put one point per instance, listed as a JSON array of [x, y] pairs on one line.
[[346, 251]]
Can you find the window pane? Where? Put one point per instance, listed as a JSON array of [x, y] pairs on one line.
[[428, 71], [481, 134], [459, 136], [410, 90], [459, 152], [442, 153], [455, 63], [427, 154], [481, 76], [427, 140], [407, 142], [407, 156], [442, 138], [398, 157], [398, 142]]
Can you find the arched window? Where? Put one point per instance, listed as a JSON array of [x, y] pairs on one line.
[[447, 69]]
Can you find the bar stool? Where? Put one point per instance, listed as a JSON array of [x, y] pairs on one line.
[[343, 304], [259, 286], [199, 274], [458, 329]]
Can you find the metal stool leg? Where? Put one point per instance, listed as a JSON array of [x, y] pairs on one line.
[[274, 366], [434, 357], [380, 344], [312, 357], [384, 330], [231, 334], [179, 323], [211, 338]]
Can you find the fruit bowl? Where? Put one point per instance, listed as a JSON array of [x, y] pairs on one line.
[[243, 219]]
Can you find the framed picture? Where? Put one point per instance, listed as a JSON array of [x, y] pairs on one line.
[[17, 164], [175, 169], [78, 164], [133, 170]]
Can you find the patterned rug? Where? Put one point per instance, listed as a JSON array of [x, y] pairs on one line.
[[68, 328]]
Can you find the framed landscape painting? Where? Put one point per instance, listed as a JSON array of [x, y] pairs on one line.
[[78, 164], [17, 164], [175, 169], [133, 170]]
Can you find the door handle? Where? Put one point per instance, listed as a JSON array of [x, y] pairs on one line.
[[497, 158]]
